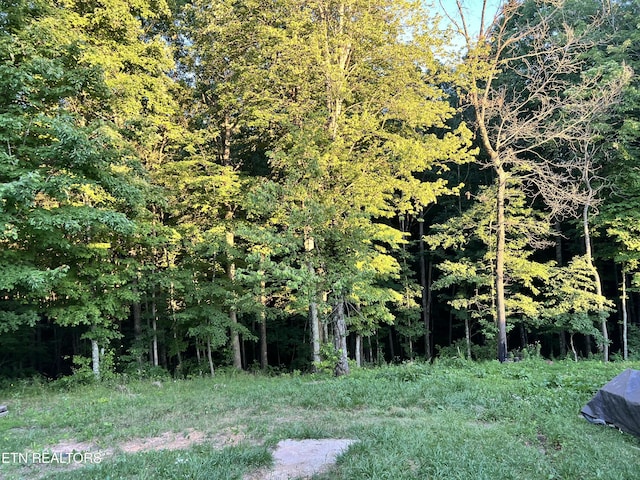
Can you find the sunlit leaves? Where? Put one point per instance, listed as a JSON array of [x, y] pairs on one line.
[[68, 196]]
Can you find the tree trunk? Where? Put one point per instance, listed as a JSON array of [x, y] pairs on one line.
[[425, 282], [95, 358], [597, 281], [315, 332], [500, 258], [154, 329], [227, 133], [392, 348], [573, 348], [211, 369], [559, 260], [325, 331], [233, 315], [558, 229], [178, 352], [451, 326], [309, 245], [359, 350], [467, 336], [563, 343], [136, 311], [342, 367], [523, 336], [625, 316], [235, 341], [426, 314], [336, 66], [264, 361], [174, 328]]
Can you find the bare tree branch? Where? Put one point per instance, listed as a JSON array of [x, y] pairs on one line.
[[531, 95]]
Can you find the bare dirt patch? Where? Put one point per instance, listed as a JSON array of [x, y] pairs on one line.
[[301, 459], [166, 441], [230, 437], [70, 446]]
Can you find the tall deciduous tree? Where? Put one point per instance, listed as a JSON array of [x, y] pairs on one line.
[[231, 48], [365, 112], [127, 41], [615, 171], [521, 80], [71, 190], [470, 239]]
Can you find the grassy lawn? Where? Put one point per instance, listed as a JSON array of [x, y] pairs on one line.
[[414, 421]]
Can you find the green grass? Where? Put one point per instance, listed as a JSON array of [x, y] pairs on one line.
[[414, 421]]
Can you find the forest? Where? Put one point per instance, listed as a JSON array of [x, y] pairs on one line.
[[316, 184]]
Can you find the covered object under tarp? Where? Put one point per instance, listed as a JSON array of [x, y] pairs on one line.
[[617, 403]]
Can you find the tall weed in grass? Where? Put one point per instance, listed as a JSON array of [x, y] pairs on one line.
[[414, 421]]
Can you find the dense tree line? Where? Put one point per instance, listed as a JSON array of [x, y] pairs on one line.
[[252, 183]]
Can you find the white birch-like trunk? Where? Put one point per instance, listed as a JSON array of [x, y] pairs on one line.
[[154, 329], [309, 245], [315, 331], [573, 348], [95, 358], [342, 367]]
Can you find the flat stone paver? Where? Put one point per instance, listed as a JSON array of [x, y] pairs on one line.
[[305, 458]]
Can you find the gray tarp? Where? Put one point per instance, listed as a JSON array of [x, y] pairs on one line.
[[617, 403]]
